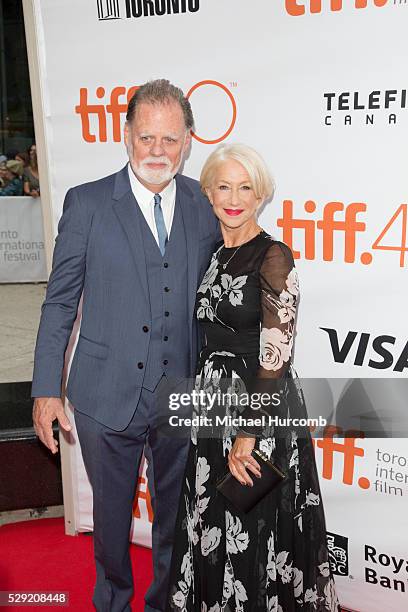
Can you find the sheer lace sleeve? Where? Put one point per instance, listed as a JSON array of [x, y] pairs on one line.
[[279, 297]]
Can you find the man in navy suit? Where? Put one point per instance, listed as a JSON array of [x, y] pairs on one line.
[[136, 245]]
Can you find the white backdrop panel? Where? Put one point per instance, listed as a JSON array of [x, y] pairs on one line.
[[22, 256]]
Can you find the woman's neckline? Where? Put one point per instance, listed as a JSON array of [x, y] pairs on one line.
[[237, 246]]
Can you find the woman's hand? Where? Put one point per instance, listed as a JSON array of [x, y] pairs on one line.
[[240, 460]]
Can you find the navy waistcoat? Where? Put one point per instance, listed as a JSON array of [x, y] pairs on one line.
[[168, 351]]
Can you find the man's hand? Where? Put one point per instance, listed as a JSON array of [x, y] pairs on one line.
[[45, 411], [240, 460]]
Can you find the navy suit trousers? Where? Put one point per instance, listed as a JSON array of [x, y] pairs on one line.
[[112, 461]]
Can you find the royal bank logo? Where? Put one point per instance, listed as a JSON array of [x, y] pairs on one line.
[[108, 9], [338, 553], [129, 9]]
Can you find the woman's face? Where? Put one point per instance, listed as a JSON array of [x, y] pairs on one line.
[[232, 195]]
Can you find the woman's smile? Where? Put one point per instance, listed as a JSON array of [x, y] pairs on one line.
[[233, 212]]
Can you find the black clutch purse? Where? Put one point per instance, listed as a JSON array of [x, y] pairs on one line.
[[244, 498]]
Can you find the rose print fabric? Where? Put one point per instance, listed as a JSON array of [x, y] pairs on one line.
[[275, 558]]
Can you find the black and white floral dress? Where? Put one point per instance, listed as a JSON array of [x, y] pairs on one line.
[[275, 558]]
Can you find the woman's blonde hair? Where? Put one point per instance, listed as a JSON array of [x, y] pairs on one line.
[[261, 180]]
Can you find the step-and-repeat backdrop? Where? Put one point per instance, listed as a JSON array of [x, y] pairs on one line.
[[319, 87]]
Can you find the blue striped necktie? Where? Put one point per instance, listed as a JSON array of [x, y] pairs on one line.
[[160, 226]]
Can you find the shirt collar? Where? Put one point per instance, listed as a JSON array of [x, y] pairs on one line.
[[144, 195]]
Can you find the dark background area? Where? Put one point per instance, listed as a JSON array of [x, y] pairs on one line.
[[16, 115], [30, 476]]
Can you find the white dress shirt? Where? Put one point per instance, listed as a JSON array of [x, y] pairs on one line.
[[145, 199]]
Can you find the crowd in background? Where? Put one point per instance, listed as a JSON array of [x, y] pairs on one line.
[[19, 173]]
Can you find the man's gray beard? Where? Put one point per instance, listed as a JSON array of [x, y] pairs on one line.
[[155, 177]]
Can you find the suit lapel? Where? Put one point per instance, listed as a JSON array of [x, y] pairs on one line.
[[185, 198], [125, 209]]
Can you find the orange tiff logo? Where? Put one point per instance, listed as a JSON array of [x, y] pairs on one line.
[[337, 222], [116, 109], [143, 494], [298, 7], [345, 448]]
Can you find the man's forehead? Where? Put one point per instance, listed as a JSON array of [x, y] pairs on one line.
[[154, 111], [159, 107]]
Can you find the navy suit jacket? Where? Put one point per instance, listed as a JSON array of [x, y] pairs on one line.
[[99, 253]]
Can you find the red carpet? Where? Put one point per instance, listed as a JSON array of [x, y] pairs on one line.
[[38, 556]]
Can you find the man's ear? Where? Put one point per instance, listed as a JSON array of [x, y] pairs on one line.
[[126, 131], [187, 142]]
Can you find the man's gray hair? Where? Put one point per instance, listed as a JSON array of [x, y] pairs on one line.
[[160, 91]]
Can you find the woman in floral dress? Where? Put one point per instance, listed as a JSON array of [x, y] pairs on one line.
[[275, 558]]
